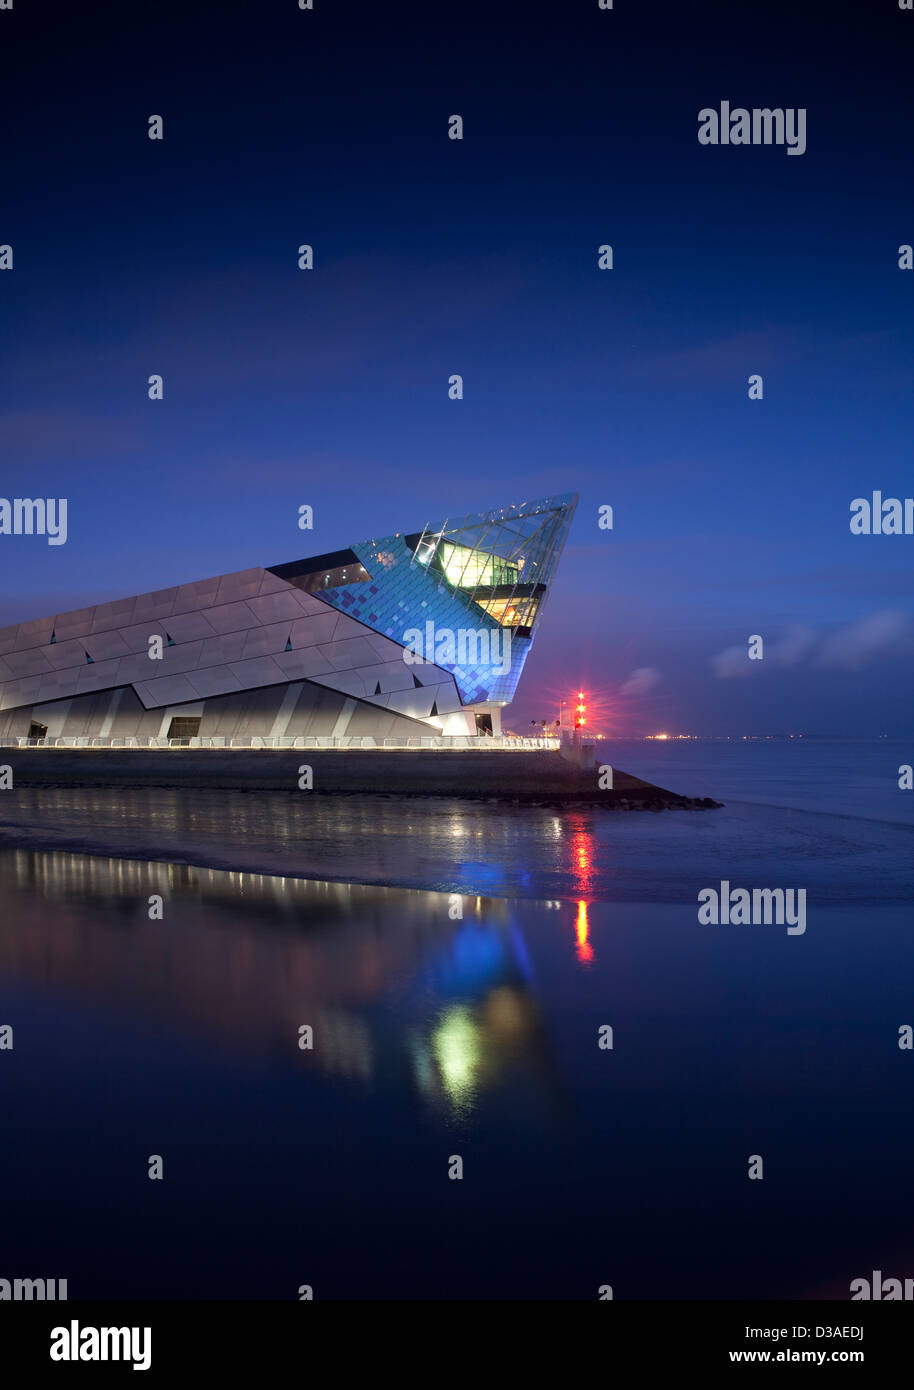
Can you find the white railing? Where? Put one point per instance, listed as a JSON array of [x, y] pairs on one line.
[[455, 742]]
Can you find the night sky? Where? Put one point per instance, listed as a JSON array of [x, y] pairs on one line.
[[479, 257]]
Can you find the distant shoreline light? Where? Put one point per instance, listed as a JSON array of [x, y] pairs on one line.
[[717, 738]]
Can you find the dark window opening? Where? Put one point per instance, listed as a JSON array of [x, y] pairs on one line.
[[184, 727], [333, 578], [483, 723], [38, 730], [323, 571]]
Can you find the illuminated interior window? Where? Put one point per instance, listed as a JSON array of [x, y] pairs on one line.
[[468, 568], [516, 612]]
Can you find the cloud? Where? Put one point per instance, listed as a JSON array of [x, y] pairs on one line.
[[861, 642], [642, 679], [733, 661], [789, 650], [848, 649]]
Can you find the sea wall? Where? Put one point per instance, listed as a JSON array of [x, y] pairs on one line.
[[542, 777]]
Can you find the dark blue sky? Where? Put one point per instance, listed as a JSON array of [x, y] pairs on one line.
[[478, 257]]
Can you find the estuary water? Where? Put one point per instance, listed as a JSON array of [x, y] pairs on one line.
[[457, 965]]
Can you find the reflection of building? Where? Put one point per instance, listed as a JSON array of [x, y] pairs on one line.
[[245, 959], [314, 647]]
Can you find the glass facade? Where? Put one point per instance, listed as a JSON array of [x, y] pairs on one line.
[[465, 567], [489, 572], [500, 561], [333, 578]]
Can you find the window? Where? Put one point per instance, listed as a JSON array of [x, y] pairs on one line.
[[468, 568], [335, 578], [516, 612], [184, 727]]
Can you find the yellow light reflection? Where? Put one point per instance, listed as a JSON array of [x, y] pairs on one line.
[[457, 1047], [582, 927]]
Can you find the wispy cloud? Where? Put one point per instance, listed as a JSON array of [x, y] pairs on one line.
[[642, 679], [849, 649], [860, 643]]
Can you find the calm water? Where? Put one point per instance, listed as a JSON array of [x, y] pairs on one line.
[[477, 1036]]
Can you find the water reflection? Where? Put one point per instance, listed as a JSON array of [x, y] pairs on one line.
[[582, 929], [391, 986], [181, 1036], [583, 850], [443, 844]]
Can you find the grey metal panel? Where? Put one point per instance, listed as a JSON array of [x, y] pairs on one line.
[[272, 584], [219, 650], [344, 656], [23, 692], [230, 617], [310, 632], [185, 627], [347, 627], [274, 608], [184, 657], [137, 635], [266, 641], [350, 682], [62, 655], [429, 674], [415, 702], [100, 645], [392, 675], [108, 615], [55, 688], [243, 584], [31, 662], [385, 648], [75, 624], [95, 677], [263, 670], [158, 604], [136, 667], [54, 708], [447, 698], [215, 680], [168, 690], [193, 597], [307, 661], [35, 633], [308, 604]]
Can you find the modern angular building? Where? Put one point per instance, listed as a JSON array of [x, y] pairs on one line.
[[414, 633]]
